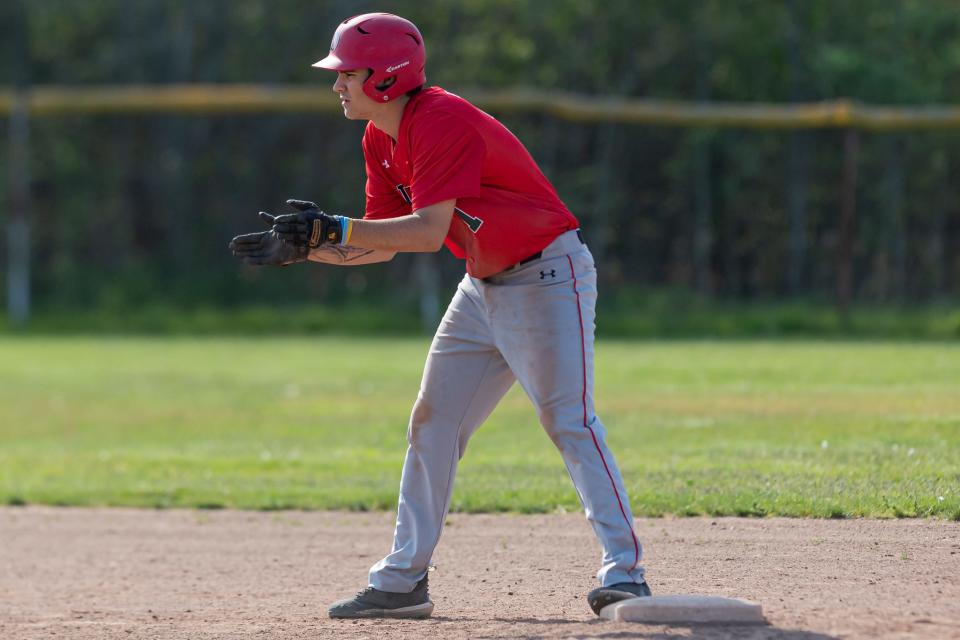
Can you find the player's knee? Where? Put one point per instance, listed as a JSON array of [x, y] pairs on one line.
[[560, 418], [548, 418], [553, 423], [419, 418], [564, 429]]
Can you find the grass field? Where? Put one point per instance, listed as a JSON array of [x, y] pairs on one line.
[[827, 429]]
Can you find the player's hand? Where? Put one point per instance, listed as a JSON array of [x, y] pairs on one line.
[[266, 248], [309, 227]]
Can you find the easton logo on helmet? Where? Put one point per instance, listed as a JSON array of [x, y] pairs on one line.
[[397, 66]]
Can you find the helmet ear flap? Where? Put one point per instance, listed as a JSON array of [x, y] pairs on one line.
[[386, 83]]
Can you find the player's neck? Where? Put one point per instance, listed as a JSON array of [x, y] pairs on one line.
[[388, 117]]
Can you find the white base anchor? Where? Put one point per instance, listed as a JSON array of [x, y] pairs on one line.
[[685, 609]]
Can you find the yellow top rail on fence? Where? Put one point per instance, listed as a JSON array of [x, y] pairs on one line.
[[42, 101]]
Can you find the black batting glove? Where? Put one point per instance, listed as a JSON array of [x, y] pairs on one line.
[[309, 227], [266, 248]]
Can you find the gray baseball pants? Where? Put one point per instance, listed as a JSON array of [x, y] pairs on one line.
[[534, 324]]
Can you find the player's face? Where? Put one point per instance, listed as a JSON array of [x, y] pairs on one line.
[[356, 104]]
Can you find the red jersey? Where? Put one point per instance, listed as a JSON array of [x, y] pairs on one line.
[[449, 149]]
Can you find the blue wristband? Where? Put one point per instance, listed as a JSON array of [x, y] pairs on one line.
[[344, 228]]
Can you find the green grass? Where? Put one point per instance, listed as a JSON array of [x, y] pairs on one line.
[[626, 313], [825, 429]]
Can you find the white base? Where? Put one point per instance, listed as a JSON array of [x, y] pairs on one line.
[[684, 610]]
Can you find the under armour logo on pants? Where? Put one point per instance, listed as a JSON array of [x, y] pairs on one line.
[[552, 273]]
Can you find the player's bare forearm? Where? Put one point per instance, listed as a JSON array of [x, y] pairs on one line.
[[421, 231], [348, 255]]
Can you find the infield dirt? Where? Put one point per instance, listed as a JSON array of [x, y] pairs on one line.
[[122, 573]]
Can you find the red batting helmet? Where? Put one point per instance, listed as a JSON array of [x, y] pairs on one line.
[[388, 45]]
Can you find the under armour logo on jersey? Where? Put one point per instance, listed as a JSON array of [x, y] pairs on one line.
[[386, 164], [552, 273]]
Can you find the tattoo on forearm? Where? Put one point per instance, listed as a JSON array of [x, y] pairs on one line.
[[338, 254]]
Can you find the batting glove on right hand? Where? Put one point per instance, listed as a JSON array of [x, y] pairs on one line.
[[309, 227]]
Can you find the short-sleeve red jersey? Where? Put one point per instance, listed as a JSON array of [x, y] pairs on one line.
[[449, 149]]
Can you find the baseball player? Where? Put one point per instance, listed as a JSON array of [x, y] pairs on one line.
[[442, 172]]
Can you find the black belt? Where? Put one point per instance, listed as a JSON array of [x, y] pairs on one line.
[[539, 254]]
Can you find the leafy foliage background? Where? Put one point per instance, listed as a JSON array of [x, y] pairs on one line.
[[137, 210]]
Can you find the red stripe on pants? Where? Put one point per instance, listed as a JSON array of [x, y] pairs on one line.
[[583, 355]]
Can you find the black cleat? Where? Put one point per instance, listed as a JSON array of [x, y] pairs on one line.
[[373, 603], [599, 598]]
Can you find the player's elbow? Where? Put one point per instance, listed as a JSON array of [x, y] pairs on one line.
[[431, 236], [434, 223], [424, 243], [427, 245], [434, 244]]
